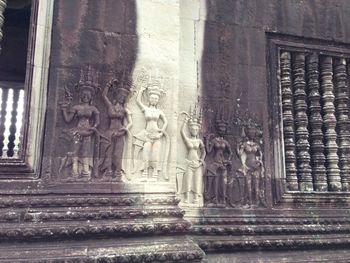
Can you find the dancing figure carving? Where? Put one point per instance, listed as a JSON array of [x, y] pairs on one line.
[[251, 173], [192, 181], [120, 122], [152, 142], [85, 137], [219, 164]]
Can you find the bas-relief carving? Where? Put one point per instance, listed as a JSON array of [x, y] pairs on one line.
[[191, 183], [85, 137], [120, 122], [234, 178], [218, 162], [106, 153], [250, 177], [151, 145], [95, 152]]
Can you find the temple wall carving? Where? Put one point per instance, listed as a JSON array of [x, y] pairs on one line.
[[176, 129]]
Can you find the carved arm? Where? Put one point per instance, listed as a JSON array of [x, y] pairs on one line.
[[105, 92], [183, 133], [203, 152], [128, 119], [68, 114], [208, 143], [139, 99], [97, 118], [165, 122]]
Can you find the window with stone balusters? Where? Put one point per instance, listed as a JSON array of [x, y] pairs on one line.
[[313, 83], [13, 65], [25, 44]]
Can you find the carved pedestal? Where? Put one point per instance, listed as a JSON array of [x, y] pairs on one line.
[[141, 223]]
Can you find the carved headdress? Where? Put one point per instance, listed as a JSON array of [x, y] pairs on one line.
[[195, 117], [154, 88], [122, 85], [250, 126], [222, 116], [88, 81]]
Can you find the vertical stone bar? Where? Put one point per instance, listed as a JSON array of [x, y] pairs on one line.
[[7, 123], [19, 124], [13, 123], [318, 159], [2, 18], [329, 120], [4, 97], [342, 114], [301, 123], [288, 122]]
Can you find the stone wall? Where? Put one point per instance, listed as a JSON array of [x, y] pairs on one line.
[[164, 127]]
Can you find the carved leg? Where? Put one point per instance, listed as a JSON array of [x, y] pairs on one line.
[[136, 153], [216, 189], [187, 197], [155, 158], [75, 167], [255, 189], [108, 162], [196, 198], [223, 185], [85, 166], [147, 147], [248, 187], [75, 159], [117, 158]]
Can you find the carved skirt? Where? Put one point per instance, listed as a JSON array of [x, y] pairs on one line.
[[193, 178]]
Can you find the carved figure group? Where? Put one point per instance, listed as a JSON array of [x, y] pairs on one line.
[[100, 154], [243, 186], [208, 172], [192, 181]]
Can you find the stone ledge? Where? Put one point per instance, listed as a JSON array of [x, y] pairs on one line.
[[152, 249]]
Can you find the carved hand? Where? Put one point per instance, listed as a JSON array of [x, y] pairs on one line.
[[64, 105]]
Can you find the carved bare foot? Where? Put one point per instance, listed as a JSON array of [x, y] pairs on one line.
[[118, 177], [109, 173], [155, 176], [144, 177]]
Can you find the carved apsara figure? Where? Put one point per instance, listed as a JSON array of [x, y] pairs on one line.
[[219, 166], [120, 123], [192, 182], [85, 136], [252, 167], [149, 142]]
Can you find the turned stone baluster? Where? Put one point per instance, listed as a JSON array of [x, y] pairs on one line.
[[288, 122], [329, 120], [4, 98], [13, 122], [342, 114], [318, 158], [301, 123], [2, 18]]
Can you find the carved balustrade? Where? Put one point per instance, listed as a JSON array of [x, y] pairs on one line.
[[314, 95]]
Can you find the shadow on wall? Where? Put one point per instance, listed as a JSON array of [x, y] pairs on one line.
[[234, 99]]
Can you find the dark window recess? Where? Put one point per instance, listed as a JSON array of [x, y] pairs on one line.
[[316, 126], [13, 65]]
